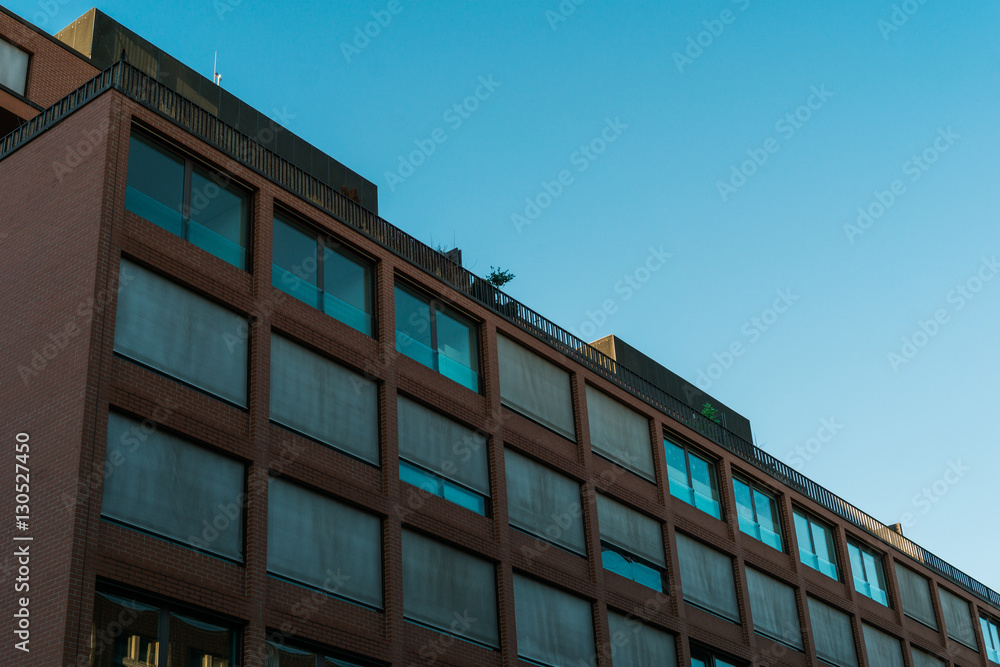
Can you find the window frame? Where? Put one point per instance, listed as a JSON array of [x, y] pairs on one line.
[[757, 487], [712, 658], [327, 241], [165, 608], [434, 304], [814, 521], [879, 560], [713, 466], [190, 164], [443, 483]]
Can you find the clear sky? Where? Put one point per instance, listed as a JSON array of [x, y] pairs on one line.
[[836, 162]]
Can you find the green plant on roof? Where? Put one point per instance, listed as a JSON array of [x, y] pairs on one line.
[[712, 412], [499, 277]]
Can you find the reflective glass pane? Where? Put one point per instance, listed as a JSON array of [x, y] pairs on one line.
[[283, 656], [13, 67], [464, 497], [767, 518], [697, 662], [198, 644], [413, 328], [347, 292], [456, 341], [155, 188], [295, 264], [420, 478], [677, 472], [706, 494], [218, 217], [804, 537], [134, 627], [744, 509]]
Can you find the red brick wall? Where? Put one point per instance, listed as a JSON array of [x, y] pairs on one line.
[[51, 197]]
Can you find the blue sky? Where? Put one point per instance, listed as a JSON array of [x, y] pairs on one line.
[[834, 162]]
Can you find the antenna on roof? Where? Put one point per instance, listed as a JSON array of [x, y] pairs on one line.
[[216, 77]]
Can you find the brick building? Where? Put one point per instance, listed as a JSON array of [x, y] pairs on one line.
[[266, 427]]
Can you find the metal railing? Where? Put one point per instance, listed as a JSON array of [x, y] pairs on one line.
[[147, 91]]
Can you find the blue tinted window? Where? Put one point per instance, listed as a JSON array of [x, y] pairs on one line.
[[692, 478], [992, 638], [866, 568], [428, 332], [442, 487], [631, 567], [757, 512], [816, 548]]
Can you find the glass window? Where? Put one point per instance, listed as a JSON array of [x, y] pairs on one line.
[[620, 434], [429, 332], [191, 202], [173, 488], [991, 635], [553, 627], [536, 388], [544, 504], [322, 543], [816, 548], [833, 635], [279, 655], [631, 544], [958, 620], [13, 67], [635, 644], [757, 511], [707, 578], [692, 478], [320, 272], [170, 329], [703, 658], [866, 568], [442, 457], [134, 633]]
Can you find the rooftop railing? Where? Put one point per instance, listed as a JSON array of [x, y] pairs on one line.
[[150, 93]]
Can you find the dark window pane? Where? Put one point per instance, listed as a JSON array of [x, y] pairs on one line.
[[13, 67], [125, 633], [413, 328], [677, 472], [347, 295], [155, 189], [283, 656], [218, 218], [198, 644], [295, 265]]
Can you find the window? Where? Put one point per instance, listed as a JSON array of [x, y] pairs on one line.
[[173, 330], [707, 578], [832, 635], [991, 636], [173, 488], [442, 457], [692, 478], [433, 334], [535, 387], [816, 548], [635, 644], [553, 627], [925, 659], [200, 206], [957, 618], [620, 434], [322, 543], [757, 511], [13, 67], [141, 633], [631, 544], [883, 649], [774, 609], [323, 400], [703, 658], [915, 592], [320, 272], [449, 590], [544, 504], [279, 655], [869, 577]]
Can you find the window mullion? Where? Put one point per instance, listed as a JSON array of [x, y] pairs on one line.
[[320, 271], [434, 338], [162, 638]]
